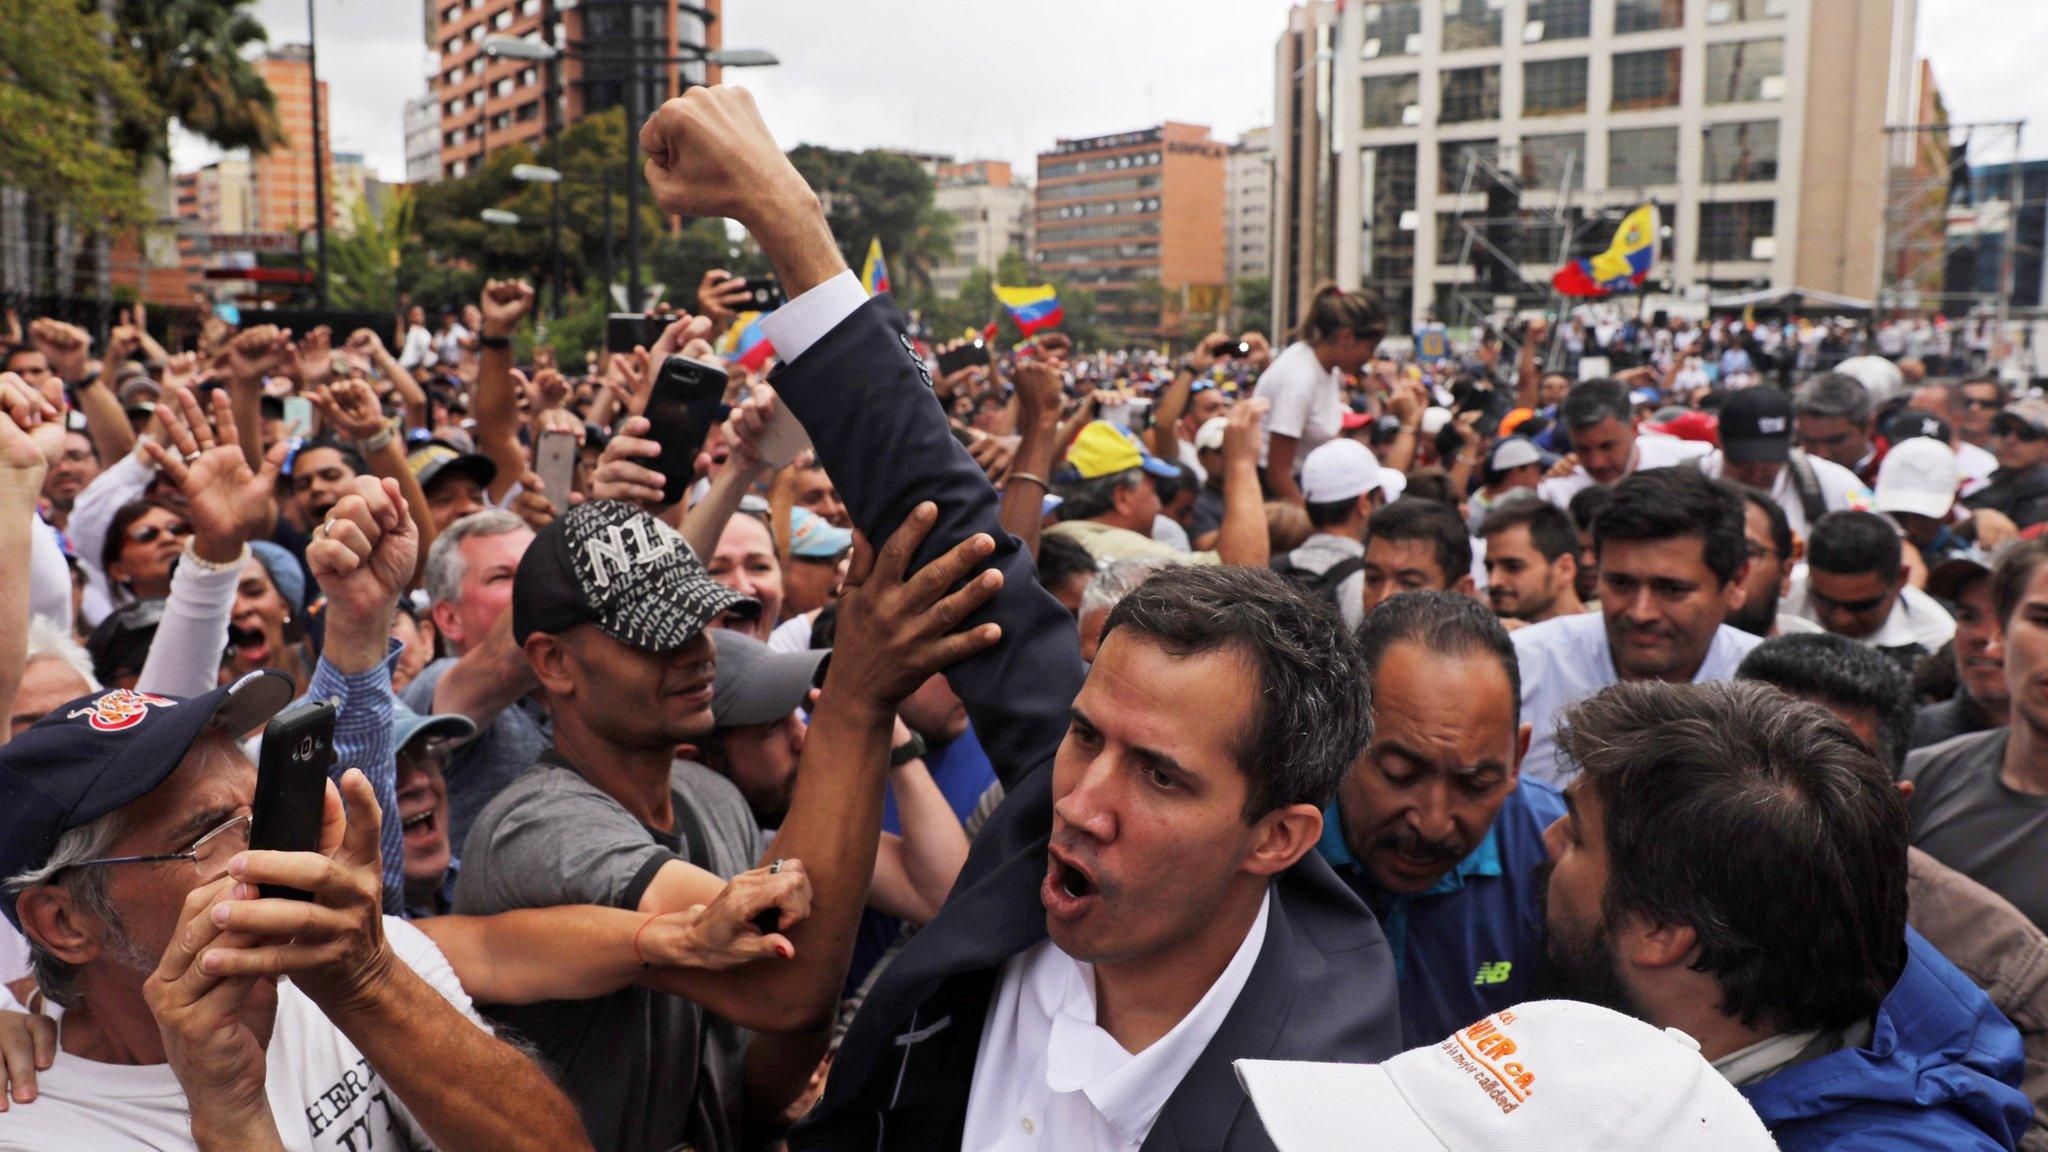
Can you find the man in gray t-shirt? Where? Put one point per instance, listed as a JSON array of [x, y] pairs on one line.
[[1966, 816], [551, 837]]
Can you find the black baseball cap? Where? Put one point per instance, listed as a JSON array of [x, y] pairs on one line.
[[106, 751], [611, 564], [121, 642], [1908, 423], [1756, 426]]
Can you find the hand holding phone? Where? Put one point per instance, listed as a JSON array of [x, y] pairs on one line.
[[681, 409], [291, 785], [554, 461]]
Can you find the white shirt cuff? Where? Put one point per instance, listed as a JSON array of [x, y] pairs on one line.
[[804, 321]]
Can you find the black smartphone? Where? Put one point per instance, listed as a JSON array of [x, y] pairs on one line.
[[681, 409], [291, 784], [970, 355], [764, 293], [1240, 348], [625, 331]]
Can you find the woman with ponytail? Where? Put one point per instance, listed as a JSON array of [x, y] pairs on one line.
[[1341, 332]]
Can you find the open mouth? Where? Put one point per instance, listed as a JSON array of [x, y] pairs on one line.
[[1069, 890], [421, 825], [248, 644]]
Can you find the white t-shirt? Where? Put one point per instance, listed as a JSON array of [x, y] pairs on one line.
[[1653, 450], [1840, 490], [323, 1092], [1307, 398]]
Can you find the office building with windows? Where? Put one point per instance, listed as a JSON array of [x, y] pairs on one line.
[[1473, 144], [1248, 207], [991, 215], [1137, 218], [486, 104]]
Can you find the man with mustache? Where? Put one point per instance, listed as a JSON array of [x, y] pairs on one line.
[[1146, 906], [1673, 560], [1433, 827]]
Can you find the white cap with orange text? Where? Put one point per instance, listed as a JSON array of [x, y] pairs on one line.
[[1547, 1076]]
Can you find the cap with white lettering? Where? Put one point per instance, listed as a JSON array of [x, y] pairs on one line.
[[1756, 426], [1548, 1076], [611, 564]]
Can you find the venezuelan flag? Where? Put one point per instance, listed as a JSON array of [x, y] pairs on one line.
[[745, 344], [1623, 267], [874, 273], [1034, 309]]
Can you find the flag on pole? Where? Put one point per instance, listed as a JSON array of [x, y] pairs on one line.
[[1034, 309], [874, 273], [1623, 267], [745, 344], [988, 334]]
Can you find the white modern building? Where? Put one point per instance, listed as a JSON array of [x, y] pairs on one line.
[[1248, 207], [992, 214], [1756, 126], [422, 139]]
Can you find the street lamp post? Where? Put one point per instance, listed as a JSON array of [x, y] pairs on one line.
[[519, 48]]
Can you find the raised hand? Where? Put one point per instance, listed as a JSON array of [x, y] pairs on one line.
[[363, 554], [227, 502], [316, 356], [257, 352], [1241, 431], [747, 428], [65, 346], [681, 338], [181, 369], [897, 628], [709, 153], [1041, 390], [719, 295], [617, 477], [504, 304], [23, 463], [1206, 353], [549, 388], [350, 408]]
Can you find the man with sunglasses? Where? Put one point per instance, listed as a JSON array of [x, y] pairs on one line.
[[124, 835], [2019, 438], [1855, 586]]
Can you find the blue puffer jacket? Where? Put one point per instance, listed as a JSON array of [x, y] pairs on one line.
[[1940, 1074]]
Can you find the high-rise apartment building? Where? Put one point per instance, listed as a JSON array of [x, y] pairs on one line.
[[1248, 207], [991, 214], [423, 139], [1756, 126], [488, 103], [1136, 217], [285, 200]]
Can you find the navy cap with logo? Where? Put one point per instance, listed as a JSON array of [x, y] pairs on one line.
[[105, 751], [611, 564], [1756, 426]]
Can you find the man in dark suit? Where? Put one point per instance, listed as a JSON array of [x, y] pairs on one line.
[[1145, 907]]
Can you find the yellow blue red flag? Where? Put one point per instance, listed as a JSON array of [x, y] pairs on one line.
[[1622, 267], [1035, 309], [874, 273]]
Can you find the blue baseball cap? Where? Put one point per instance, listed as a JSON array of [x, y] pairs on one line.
[[812, 537], [407, 724], [107, 750]]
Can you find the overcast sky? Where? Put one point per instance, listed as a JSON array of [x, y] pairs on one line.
[[982, 78]]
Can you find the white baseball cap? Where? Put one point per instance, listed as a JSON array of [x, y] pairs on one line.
[[1209, 437], [1919, 476], [1344, 469], [1514, 452], [1548, 1076]]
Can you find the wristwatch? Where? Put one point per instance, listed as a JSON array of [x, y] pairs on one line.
[[375, 443], [904, 753], [494, 341]]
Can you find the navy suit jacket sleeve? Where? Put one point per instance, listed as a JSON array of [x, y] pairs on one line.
[[866, 400]]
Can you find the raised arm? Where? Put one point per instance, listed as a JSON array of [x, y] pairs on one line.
[[1040, 392], [1242, 538], [1164, 435], [65, 347], [496, 402], [365, 342], [351, 409], [253, 354], [22, 466]]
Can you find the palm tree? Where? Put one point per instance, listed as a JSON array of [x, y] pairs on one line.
[[189, 55]]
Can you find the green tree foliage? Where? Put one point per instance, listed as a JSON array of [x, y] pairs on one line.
[[363, 267], [55, 72], [881, 194], [1252, 304], [191, 56]]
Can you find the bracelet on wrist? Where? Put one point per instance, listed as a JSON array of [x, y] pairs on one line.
[[499, 342], [1032, 478], [376, 443], [193, 558]]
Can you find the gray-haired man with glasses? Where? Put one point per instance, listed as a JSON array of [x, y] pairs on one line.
[[124, 827]]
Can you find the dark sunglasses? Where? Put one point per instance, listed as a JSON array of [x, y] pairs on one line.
[[147, 533], [1850, 606], [2025, 433], [1978, 403]]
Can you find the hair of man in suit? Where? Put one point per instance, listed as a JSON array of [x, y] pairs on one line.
[[1312, 721], [1685, 932], [1447, 742], [1863, 687]]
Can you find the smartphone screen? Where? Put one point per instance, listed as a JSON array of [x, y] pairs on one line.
[[291, 784], [965, 356], [625, 331], [680, 412], [298, 417], [554, 459]]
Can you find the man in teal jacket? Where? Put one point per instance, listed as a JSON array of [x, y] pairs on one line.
[[1733, 864]]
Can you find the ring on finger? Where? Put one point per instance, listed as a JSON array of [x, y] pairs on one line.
[[191, 456], [774, 867]]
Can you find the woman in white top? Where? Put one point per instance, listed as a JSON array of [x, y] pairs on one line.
[[1306, 382]]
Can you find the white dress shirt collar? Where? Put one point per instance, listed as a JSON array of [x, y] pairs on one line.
[[1129, 1091]]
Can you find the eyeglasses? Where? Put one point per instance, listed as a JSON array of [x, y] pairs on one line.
[[1981, 404], [147, 533], [210, 853], [2025, 433]]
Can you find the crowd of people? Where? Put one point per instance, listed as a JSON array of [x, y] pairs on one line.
[[1283, 744]]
